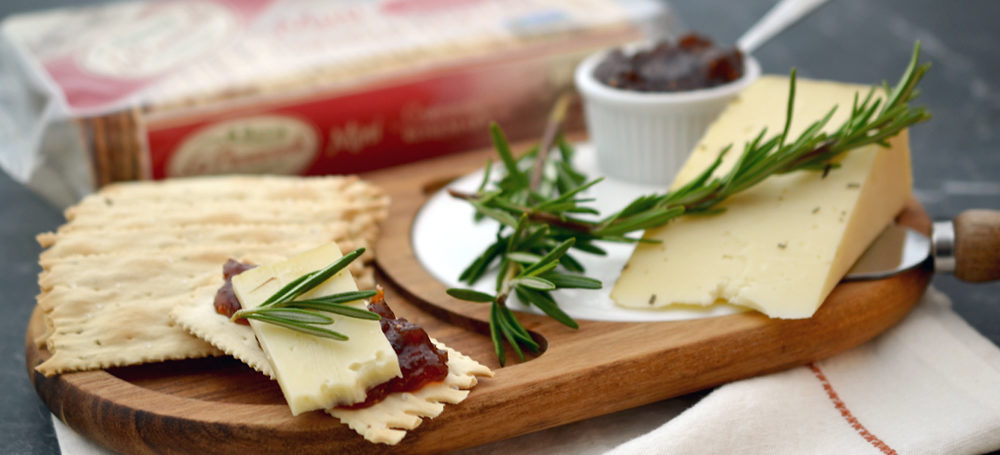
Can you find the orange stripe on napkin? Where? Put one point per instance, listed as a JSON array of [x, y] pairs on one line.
[[848, 416]]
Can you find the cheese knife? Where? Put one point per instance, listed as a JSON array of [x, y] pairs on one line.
[[968, 246]]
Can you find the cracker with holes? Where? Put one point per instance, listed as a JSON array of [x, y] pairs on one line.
[[354, 378], [386, 422], [131, 252]]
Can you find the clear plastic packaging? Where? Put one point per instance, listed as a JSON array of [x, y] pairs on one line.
[[144, 90]]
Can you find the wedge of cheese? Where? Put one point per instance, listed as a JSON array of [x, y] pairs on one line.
[[783, 245], [317, 373]]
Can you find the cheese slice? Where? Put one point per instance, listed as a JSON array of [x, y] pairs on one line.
[[313, 372], [783, 245]]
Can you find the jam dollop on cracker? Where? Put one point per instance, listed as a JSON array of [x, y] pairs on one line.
[[226, 302], [420, 361], [693, 62]]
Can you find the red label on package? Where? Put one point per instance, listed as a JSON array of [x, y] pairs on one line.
[[384, 124]]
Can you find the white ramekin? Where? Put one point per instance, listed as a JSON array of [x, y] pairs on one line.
[[645, 137]]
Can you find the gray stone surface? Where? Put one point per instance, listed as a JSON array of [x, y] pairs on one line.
[[956, 162]]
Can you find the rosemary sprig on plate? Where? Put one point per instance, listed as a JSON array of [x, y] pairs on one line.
[[540, 223], [307, 315]]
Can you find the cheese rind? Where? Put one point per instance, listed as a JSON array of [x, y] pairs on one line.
[[313, 372], [783, 245]]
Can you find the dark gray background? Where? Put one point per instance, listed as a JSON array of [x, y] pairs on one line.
[[956, 163]]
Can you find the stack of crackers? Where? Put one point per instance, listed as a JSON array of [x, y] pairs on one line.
[[131, 277], [132, 252]]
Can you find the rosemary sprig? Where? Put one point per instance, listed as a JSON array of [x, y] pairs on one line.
[[539, 222], [306, 315], [310, 280]]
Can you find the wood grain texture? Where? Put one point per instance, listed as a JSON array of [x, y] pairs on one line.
[[977, 245], [220, 406]]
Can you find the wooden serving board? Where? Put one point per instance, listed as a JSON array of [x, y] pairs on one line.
[[220, 406]]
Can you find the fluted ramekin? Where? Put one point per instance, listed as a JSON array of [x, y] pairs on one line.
[[645, 137]]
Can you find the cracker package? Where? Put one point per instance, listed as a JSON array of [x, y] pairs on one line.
[[144, 89]]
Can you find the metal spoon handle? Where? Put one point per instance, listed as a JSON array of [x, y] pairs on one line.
[[783, 14]]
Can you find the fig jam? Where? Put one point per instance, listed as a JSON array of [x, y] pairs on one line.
[[226, 302], [419, 360], [694, 62]]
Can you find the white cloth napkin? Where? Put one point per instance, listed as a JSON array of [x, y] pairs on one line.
[[929, 385], [72, 443]]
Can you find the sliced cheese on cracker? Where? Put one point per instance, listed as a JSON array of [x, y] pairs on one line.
[[315, 372], [385, 422]]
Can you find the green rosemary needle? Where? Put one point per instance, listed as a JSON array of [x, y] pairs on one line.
[[540, 223], [310, 280], [306, 315]]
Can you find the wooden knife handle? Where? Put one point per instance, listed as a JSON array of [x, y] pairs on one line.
[[977, 245]]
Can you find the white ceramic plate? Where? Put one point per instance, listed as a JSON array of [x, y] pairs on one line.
[[446, 240]]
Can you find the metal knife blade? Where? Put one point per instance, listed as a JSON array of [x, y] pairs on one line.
[[895, 250], [968, 246]]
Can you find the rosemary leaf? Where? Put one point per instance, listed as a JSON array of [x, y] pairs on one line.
[[308, 329], [571, 281], [508, 331], [588, 247], [286, 314], [496, 335], [470, 295], [342, 297], [571, 264], [503, 149], [279, 296], [582, 210], [486, 176], [308, 281], [552, 256], [534, 282], [501, 216], [518, 331], [335, 308], [522, 257], [540, 270], [652, 218], [568, 195]]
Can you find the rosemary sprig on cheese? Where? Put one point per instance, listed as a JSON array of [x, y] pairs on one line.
[[539, 226], [317, 372], [306, 316]]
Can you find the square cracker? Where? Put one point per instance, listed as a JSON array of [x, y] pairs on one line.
[[134, 250], [159, 239], [197, 315], [385, 422], [388, 420]]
